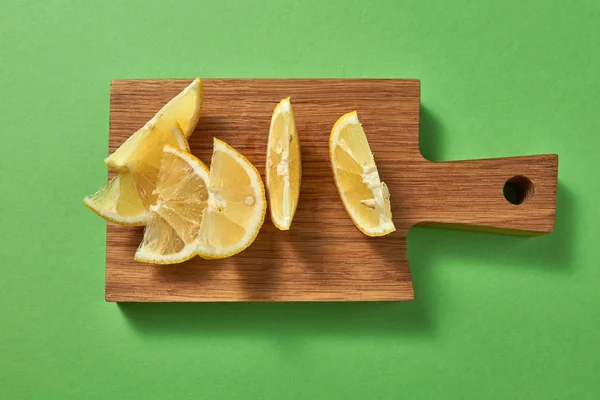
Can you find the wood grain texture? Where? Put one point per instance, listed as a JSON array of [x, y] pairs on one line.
[[323, 257]]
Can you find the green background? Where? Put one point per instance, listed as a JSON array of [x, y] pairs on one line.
[[495, 317]]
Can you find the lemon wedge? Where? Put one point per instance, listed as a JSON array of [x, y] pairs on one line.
[[183, 109], [284, 166], [181, 112], [365, 197], [171, 234], [126, 199], [236, 204]]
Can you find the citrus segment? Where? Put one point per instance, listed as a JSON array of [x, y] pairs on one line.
[[365, 197], [283, 167]]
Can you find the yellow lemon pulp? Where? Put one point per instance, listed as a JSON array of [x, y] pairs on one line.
[[236, 205], [171, 234], [365, 197], [283, 171], [126, 198]]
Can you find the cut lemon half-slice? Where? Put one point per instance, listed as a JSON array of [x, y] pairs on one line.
[[283, 170], [126, 199], [365, 197], [171, 234], [236, 205]]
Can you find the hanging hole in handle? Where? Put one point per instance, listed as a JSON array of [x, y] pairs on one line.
[[518, 189]]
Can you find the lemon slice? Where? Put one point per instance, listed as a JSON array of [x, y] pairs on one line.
[[182, 112], [365, 197], [126, 199], [283, 172], [171, 234], [236, 205], [215, 213]]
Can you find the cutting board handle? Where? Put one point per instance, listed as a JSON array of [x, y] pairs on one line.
[[515, 195]]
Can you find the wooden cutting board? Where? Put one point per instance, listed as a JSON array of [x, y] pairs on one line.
[[323, 257]]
